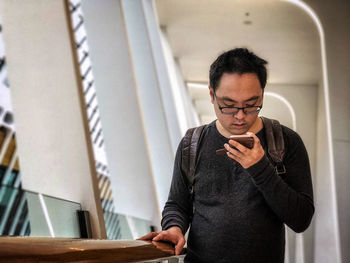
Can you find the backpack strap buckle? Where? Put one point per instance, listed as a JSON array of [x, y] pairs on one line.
[[280, 168]]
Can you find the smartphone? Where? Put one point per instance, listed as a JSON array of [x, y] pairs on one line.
[[245, 140]]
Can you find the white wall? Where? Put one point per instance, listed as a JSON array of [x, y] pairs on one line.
[[55, 156], [325, 218], [335, 19], [304, 101]]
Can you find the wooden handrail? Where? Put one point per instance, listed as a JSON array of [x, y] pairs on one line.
[[46, 249]]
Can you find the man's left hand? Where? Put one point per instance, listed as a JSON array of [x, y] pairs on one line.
[[245, 156]]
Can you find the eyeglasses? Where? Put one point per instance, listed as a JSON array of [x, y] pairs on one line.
[[232, 110]]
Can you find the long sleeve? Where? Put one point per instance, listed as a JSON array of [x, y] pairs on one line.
[[178, 209], [290, 196]]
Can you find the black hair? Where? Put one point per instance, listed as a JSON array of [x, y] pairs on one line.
[[240, 61]]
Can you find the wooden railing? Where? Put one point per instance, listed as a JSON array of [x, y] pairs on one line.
[[45, 249]]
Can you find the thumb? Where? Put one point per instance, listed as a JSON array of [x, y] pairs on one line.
[[157, 238], [163, 236], [149, 236], [179, 246]]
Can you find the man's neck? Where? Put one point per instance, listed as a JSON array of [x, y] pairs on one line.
[[255, 128]]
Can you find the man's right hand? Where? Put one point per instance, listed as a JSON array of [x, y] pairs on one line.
[[173, 235]]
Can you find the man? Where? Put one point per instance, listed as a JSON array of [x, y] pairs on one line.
[[240, 204]]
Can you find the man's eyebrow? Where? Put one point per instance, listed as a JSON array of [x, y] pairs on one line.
[[231, 100], [252, 98]]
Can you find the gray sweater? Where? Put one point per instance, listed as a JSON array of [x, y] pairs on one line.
[[237, 214]]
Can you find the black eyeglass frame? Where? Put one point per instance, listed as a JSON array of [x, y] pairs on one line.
[[238, 109]]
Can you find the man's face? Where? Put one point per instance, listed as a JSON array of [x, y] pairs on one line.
[[238, 91]]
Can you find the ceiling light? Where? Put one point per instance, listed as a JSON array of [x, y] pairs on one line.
[[197, 85]]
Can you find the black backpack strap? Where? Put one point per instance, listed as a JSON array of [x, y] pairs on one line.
[[189, 153], [275, 143]]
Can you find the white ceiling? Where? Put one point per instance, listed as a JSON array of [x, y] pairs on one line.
[[283, 34]]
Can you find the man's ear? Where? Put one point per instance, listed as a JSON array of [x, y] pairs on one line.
[[211, 92]]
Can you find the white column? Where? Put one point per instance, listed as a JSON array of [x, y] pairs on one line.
[[53, 144], [126, 146], [162, 73], [186, 113], [154, 107]]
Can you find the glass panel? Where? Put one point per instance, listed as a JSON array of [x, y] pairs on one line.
[[63, 216], [38, 224], [140, 226], [22, 213], [125, 227], [123, 230]]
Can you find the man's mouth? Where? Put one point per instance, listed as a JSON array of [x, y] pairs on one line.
[[239, 124]]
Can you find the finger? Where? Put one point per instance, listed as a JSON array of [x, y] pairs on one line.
[[164, 236], [179, 246], [149, 236], [239, 146], [233, 157], [158, 237], [232, 151]]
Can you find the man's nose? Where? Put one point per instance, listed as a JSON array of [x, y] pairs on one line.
[[240, 114]]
